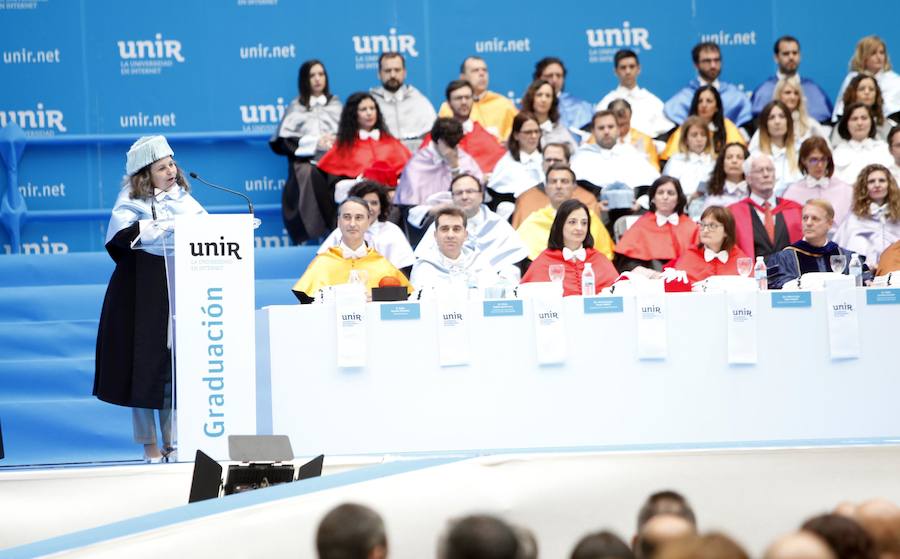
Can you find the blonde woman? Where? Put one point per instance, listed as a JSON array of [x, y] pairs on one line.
[[871, 57], [789, 91], [775, 137]]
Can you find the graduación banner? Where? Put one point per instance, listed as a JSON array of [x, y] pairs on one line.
[[214, 332]]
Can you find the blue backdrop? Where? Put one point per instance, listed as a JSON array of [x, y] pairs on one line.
[[124, 67]]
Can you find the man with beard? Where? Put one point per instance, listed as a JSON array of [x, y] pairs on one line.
[[787, 57], [708, 62], [407, 113]]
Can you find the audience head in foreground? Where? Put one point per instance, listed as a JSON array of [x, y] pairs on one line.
[[351, 531], [799, 545], [479, 537]]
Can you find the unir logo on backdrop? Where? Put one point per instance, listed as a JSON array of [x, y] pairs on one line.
[[142, 57], [604, 43], [369, 47], [35, 122], [262, 117]]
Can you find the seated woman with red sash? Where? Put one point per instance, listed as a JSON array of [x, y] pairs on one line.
[[572, 245], [716, 254], [660, 235], [362, 139]]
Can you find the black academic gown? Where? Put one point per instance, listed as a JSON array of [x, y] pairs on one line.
[[133, 364], [802, 258]]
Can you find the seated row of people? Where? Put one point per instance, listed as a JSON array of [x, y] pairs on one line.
[[470, 244]]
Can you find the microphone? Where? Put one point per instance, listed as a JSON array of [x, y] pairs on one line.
[[194, 175]]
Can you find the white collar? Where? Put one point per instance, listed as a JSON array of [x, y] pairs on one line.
[[877, 211], [374, 134], [661, 220], [777, 151], [761, 201], [535, 157], [735, 187], [396, 96], [715, 83], [547, 126], [350, 253], [468, 126], [820, 183], [710, 255], [173, 193], [702, 157], [569, 254], [318, 101], [453, 262], [865, 144]]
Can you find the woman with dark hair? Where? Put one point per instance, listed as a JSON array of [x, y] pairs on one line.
[[660, 235], [541, 101], [727, 183], [874, 220], [133, 365], [572, 245], [846, 538], [861, 147], [305, 133], [522, 166], [864, 89], [382, 235], [707, 104], [362, 139], [716, 253], [817, 166]]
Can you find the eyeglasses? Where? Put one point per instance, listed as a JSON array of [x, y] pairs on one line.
[[710, 225], [816, 160], [466, 192]]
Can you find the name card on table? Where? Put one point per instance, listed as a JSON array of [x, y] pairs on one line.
[[350, 306], [503, 307], [791, 299], [453, 331], [882, 296], [742, 333], [602, 305], [400, 311], [843, 319], [550, 333], [652, 334]]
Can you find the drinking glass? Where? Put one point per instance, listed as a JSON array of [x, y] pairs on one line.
[[838, 261], [557, 272], [745, 266]]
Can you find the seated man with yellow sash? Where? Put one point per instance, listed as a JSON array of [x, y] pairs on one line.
[[333, 267]]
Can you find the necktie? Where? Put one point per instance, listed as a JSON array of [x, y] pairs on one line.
[[769, 222], [569, 254]]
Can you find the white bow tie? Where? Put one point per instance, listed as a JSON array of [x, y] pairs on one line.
[[820, 183], [569, 254], [709, 255], [358, 253], [319, 100], [468, 126], [877, 211], [375, 134], [547, 126], [660, 220]]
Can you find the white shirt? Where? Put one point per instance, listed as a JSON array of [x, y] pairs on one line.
[[515, 177], [690, 169], [386, 238], [851, 156], [646, 109], [623, 163]]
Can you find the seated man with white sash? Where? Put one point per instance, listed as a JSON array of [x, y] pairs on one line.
[[449, 263]]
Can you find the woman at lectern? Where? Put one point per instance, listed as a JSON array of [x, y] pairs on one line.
[[133, 356]]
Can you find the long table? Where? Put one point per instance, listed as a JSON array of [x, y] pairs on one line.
[[602, 396]]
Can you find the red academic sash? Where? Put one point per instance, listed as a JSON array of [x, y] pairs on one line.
[[645, 240], [697, 268], [791, 212], [351, 161]]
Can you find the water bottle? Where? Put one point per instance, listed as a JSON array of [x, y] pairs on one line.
[[588, 283], [760, 273], [856, 270]]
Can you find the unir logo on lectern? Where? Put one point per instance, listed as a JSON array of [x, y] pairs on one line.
[[216, 248]]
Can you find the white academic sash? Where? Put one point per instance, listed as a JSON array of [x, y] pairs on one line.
[[843, 319], [453, 330], [350, 307], [741, 308]]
